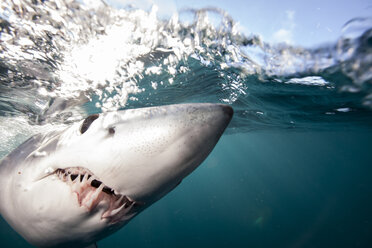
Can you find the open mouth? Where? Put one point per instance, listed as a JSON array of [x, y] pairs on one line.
[[93, 193]]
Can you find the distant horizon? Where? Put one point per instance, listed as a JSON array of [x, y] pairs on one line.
[[301, 23]]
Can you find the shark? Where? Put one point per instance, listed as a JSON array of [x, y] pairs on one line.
[[73, 187]]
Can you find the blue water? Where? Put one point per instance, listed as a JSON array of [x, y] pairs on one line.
[[262, 189], [268, 189], [294, 167]]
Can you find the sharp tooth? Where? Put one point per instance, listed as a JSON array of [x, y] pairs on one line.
[[130, 199], [76, 188], [90, 179], [106, 214], [115, 211], [93, 198], [85, 178], [118, 202], [68, 179], [99, 189]]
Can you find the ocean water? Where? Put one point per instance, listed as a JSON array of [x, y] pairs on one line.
[[294, 167]]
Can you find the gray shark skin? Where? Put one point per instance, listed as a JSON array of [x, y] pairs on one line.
[[74, 187]]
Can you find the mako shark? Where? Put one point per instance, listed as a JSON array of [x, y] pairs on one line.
[[74, 187]]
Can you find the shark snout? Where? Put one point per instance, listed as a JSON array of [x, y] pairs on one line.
[[152, 149], [178, 139]]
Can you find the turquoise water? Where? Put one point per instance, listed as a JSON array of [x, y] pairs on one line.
[[265, 189], [292, 170], [269, 189]]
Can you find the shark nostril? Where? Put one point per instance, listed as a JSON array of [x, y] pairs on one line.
[[111, 130]]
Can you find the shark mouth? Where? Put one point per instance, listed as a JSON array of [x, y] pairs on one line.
[[92, 193]]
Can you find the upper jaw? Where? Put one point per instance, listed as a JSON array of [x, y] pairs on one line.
[[150, 152], [157, 146]]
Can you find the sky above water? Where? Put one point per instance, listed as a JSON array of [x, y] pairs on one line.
[[305, 23]]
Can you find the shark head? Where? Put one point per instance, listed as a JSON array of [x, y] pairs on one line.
[[74, 187]]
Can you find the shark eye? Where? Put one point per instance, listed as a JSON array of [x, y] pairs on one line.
[[86, 123]]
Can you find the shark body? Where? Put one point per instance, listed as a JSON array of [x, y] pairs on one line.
[[74, 187]]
